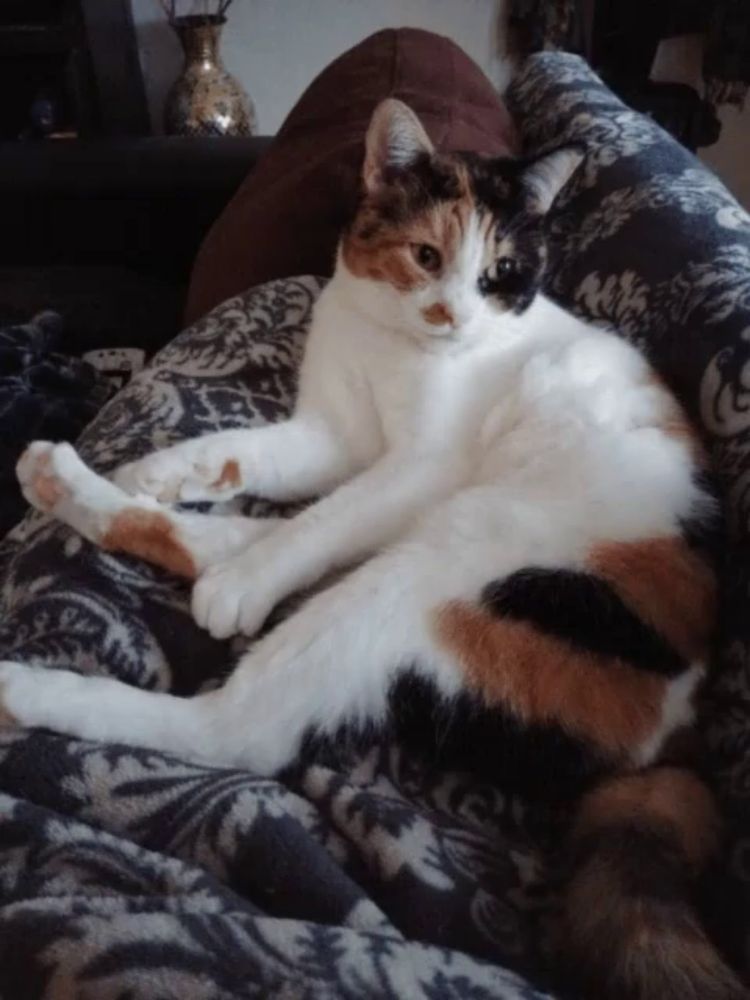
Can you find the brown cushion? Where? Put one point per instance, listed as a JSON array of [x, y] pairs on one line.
[[286, 216]]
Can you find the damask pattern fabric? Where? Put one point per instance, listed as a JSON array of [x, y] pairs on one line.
[[131, 873]]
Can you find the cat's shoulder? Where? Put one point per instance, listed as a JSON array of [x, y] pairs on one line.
[[337, 321], [589, 349]]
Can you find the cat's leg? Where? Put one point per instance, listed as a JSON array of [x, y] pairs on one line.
[[357, 519], [292, 460], [56, 481], [448, 604], [331, 663]]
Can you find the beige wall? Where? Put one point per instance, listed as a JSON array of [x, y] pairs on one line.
[[276, 47]]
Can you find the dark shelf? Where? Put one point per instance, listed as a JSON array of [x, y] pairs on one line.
[[160, 167], [31, 39], [70, 66]]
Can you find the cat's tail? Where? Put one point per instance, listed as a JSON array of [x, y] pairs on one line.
[[628, 929]]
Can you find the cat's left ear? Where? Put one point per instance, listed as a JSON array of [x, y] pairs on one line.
[[545, 178], [395, 138]]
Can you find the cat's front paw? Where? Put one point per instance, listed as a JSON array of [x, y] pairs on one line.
[[183, 473], [231, 598], [160, 475]]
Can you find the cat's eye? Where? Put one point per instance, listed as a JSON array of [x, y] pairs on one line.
[[505, 267], [427, 257], [500, 279]]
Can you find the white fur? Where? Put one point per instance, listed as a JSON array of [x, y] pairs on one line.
[[451, 456], [461, 459], [677, 711]]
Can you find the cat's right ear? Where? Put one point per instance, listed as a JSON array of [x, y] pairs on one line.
[[395, 138], [545, 178]]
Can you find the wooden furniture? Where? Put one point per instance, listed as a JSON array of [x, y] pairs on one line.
[[69, 68], [105, 231]]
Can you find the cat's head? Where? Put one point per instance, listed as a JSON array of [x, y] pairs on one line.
[[442, 242]]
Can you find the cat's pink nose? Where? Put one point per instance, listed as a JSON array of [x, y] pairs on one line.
[[438, 314]]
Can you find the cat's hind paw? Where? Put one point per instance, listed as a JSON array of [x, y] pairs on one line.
[[56, 481], [43, 471]]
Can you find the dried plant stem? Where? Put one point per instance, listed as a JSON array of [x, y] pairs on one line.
[[168, 7]]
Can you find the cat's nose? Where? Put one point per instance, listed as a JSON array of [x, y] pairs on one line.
[[439, 314]]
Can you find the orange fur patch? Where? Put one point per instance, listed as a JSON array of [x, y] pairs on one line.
[[542, 679], [666, 797], [375, 247], [230, 475], [390, 260], [149, 535], [667, 585], [627, 927]]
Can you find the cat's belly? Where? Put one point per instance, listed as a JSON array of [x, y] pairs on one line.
[[534, 452]]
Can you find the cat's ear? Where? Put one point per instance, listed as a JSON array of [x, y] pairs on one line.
[[395, 138], [545, 178]]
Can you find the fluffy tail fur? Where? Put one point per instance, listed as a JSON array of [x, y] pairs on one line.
[[628, 928]]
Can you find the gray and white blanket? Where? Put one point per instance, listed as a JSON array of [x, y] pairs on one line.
[[131, 874]]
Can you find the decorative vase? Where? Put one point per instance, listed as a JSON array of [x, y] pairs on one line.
[[205, 99]]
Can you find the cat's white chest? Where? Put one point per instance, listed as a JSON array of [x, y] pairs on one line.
[[436, 401], [403, 391]]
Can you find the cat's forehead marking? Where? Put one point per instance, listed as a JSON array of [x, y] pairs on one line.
[[441, 203]]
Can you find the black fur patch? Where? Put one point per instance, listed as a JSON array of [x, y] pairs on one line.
[[497, 188], [411, 190], [496, 184], [584, 611], [542, 762], [705, 530]]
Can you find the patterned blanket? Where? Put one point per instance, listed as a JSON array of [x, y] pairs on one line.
[[126, 873]]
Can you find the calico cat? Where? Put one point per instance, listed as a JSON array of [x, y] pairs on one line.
[[520, 497]]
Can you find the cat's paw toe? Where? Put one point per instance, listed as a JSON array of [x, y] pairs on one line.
[[216, 602], [45, 472], [150, 477], [227, 601], [36, 455], [211, 479]]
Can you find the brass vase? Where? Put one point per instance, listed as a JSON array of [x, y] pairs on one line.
[[205, 99]]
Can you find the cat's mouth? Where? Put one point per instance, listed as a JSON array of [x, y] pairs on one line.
[[445, 332], [449, 339]]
